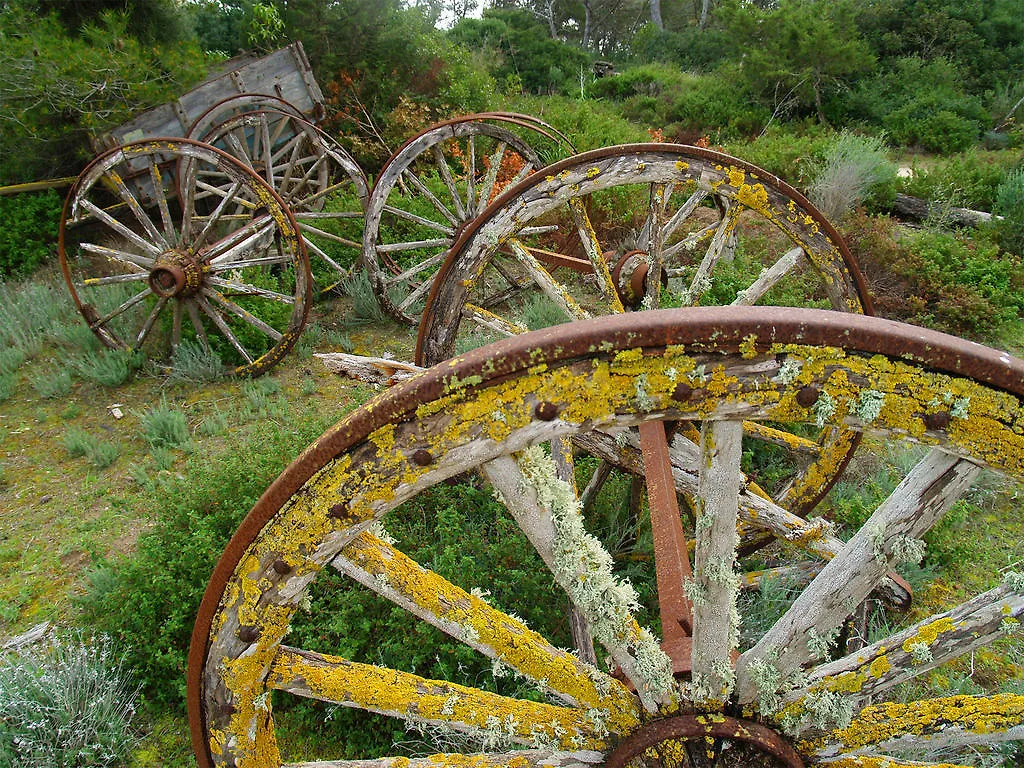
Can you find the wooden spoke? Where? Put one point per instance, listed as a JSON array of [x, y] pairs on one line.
[[446, 175], [416, 699], [588, 237], [212, 220], [121, 229], [769, 278], [156, 179], [153, 234], [486, 319], [417, 293], [263, 261], [120, 309], [781, 437], [443, 242], [542, 278], [916, 504], [134, 277], [701, 279], [176, 322], [419, 220], [422, 188], [222, 326], [487, 187], [147, 326], [307, 230], [684, 212], [473, 621], [131, 260], [240, 241], [244, 314], [715, 623], [523, 758]]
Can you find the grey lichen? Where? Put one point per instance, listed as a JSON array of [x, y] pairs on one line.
[[869, 405], [821, 645], [1014, 581], [906, 549], [824, 409], [767, 681], [695, 592], [920, 652], [960, 408], [583, 567], [789, 370], [829, 709]]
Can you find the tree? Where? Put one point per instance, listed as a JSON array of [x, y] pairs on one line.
[[801, 51]]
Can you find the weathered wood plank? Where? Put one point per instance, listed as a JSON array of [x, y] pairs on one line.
[[913, 507]]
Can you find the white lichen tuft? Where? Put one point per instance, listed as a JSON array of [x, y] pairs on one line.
[[960, 408], [829, 709], [583, 567], [767, 680], [789, 370], [824, 409], [920, 652], [448, 708], [499, 670], [869, 405], [1009, 626], [480, 594], [907, 549], [377, 529], [262, 702], [821, 645], [643, 400], [1014, 581], [876, 534], [695, 592]]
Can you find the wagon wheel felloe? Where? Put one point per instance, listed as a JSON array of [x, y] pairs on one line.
[[320, 182], [588, 233], [783, 697], [170, 239], [432, 187]]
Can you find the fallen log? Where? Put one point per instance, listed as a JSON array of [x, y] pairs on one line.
[[917, 210], [372, 370]]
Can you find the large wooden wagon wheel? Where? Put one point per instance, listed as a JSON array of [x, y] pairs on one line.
[[321, 183], [168, 239], [582, 235], [232, 106], [694, 697], [432, 187]]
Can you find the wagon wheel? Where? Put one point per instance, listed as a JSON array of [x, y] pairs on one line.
[[771, 702], [432, 188], [584, 234], [320, 182], [232, 106], [156, 248]]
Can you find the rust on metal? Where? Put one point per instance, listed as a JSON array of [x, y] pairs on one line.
[[699, 728], [671, 560]]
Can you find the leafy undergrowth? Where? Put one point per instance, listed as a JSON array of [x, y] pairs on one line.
[[69, 522]]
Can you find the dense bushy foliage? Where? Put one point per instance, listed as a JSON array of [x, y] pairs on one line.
[[60, 85], [29, 231]]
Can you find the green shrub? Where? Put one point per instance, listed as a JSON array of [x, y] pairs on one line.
[[588, 124], [791, 156], [148, 600], [67, 704], [6, 386], [969, 179], [99, 453], [920, 103], [852, 168], [109, 367], [938, 279], [29, 233], [164, 426], [52, 384], [718, 103], [1010, 205]]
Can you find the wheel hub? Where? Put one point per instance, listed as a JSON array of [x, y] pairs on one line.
[[175, 273], [677, 740]]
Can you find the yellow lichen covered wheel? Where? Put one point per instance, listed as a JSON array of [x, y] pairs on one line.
[[687, 681]]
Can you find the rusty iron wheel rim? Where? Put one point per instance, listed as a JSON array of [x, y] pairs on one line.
[[185, 250], [906, 365]]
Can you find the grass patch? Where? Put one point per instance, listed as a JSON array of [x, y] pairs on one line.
[[194, 363], [164, 426], [52, 384], [99, 453]]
